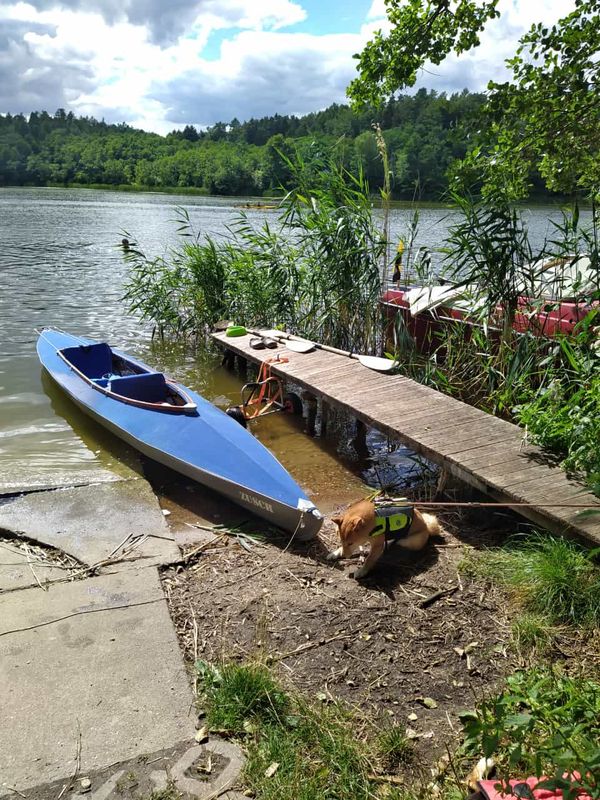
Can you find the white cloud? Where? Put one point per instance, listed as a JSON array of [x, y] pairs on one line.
[[377, 10], [143, 61], [261, 74]]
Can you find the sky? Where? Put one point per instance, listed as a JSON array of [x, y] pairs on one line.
[[163, 64]]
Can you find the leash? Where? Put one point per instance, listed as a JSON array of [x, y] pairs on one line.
[[465, 504]]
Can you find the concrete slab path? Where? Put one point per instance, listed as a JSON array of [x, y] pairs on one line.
[[89, 522], [92, 680], [89, 670]]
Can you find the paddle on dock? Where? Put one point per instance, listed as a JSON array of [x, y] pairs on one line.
[[300, 345]]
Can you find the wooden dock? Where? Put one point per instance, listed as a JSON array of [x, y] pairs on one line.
[[479, 449]]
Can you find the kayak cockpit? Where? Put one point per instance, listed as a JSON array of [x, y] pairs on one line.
[[124, 380]]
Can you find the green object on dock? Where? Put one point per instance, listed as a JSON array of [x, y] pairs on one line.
[[236, 330]]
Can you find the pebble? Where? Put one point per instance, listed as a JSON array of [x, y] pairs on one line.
[[202, 735], [85, 784]]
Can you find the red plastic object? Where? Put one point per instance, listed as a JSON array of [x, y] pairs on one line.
[[489, 790]]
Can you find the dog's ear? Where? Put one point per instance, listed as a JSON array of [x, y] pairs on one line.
[[337, 520], [356, 522]]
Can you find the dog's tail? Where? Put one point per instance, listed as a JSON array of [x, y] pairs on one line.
[[432, 523]]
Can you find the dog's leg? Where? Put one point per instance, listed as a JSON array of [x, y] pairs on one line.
[[335, 555], [377, 548]]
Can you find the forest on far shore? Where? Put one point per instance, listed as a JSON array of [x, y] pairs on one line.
[[424, 133]]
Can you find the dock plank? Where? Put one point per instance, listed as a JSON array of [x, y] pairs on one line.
[[482, 450]]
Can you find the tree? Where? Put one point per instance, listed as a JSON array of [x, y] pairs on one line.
[[421, 31], [279, 151], [548, 115], [545, 119], [190, 133]]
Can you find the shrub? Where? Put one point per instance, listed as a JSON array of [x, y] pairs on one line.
[[542, 724]]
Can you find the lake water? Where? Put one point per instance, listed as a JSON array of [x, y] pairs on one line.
[[61, 266]]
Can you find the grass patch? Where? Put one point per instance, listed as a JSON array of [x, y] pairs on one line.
[[237, 696], [295, 750], [553, 578], [394, 748], [170, 793], [530, 632]]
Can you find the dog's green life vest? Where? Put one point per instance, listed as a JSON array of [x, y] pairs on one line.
[[393, 522]]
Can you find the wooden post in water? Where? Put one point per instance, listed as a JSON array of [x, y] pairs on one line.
[[228, 359], [360, 440], [242, 365], [311, 412], [325, 417]]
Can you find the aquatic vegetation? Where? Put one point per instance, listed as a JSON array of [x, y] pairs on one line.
[[318, 272]]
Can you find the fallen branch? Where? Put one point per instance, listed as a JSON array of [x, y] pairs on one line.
[[204, 546], [310, 645], [428, 601], [391, 779]]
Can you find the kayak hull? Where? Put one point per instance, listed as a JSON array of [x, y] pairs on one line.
[[205, 445]]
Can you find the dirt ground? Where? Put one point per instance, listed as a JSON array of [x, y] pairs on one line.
[[390, 646]]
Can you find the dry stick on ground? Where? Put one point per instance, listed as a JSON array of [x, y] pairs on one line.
[[16, 791], [28, 554], [69, 785], [437, 596], [188, 556], [273, 563], [391, 779], [162, 599], [310, 645]]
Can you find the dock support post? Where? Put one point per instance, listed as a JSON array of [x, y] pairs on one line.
[[325, 417], [448, 485], [242, 364], [360, 439], [311, 412], [228, 359]]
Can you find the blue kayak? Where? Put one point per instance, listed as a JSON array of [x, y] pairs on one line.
[[176, 427]]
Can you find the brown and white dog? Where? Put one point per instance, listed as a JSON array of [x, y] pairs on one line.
[[383, 526]]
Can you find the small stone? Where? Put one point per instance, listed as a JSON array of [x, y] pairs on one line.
[[202, 735], [166, 513], [271, 769], [85, 785], [412, 717]]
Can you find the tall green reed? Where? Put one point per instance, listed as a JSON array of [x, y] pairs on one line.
[[549, 385], [316, 271]]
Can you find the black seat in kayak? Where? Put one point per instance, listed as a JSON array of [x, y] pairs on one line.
[[150, 387], [94, 360]]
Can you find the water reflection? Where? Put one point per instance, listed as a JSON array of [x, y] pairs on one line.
[[110, 452]]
